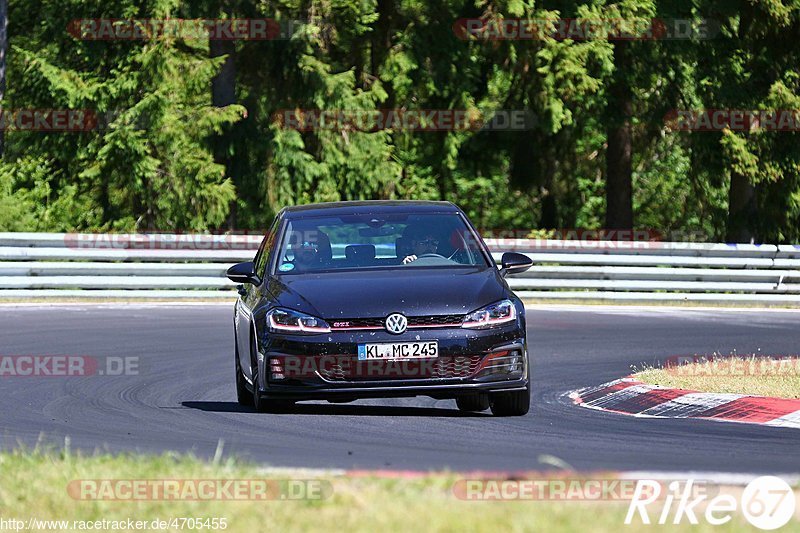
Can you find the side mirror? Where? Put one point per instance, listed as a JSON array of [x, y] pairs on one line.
[[243, 273], [514, 263]]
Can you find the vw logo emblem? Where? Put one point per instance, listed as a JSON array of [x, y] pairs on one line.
[[396, 323]]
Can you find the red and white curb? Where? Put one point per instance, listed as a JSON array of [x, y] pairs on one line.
[[632, 397]]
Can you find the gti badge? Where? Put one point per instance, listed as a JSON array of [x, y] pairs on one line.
[[396, 323]]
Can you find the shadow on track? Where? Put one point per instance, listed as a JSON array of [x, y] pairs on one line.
[[333, 409]]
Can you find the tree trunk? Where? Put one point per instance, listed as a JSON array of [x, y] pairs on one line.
[[741, 210], [381, 42], [549, 218], [619, 188], [3, 48], [223, 85], [223, 93]]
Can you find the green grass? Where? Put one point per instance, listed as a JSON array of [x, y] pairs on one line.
[[34, 484], [754, 376]]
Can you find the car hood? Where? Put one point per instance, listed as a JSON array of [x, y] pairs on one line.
[[425, 291]]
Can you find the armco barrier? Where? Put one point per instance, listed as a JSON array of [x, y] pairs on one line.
[[193, 266]]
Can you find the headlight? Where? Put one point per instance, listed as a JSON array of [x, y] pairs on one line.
[[491, 315], [286, 320]]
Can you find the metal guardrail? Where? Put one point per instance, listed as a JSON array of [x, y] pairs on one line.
[[192, 265]]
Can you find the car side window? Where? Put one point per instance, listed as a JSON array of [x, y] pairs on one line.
[[262, 258]]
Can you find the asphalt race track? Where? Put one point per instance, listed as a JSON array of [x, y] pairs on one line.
[[183, 396]]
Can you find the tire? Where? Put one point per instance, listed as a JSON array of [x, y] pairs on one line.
[[243, 395], [262, 405], [513, 403], [258, 402], [473, 402]]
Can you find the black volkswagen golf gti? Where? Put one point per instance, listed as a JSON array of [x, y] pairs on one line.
[[379, 299]]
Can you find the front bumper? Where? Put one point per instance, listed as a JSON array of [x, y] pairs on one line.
[[326, 366], [439, 391]]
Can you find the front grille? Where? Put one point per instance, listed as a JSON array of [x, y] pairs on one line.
[[357, 323], [413, 322], [379, 370], [435, 320]]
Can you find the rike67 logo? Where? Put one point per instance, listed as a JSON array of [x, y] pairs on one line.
[[767, 502]]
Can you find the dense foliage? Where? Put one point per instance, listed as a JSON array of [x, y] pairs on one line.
[[190, 136]]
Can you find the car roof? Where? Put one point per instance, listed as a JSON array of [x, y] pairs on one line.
[[369, 207]]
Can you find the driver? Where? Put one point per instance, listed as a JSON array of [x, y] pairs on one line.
[[422, 243], [306, 255]]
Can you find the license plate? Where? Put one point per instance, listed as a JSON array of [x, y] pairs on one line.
[[398, 350]]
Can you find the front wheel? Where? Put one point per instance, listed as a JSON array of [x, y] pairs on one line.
[[512, 403], [473, 402], [263, 405], [243, 395]]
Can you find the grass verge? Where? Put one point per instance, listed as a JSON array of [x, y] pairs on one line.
[[35, 485], [756, 376]]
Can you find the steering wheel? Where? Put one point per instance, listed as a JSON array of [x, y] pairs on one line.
[[430, 255]]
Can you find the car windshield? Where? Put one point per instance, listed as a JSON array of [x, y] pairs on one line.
[[399, 241]]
